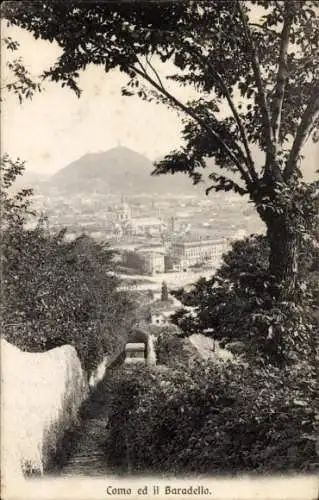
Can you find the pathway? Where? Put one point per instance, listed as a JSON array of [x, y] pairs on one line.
[[87, 445], [88, 456]]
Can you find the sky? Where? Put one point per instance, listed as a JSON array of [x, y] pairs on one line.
[[56, 127]]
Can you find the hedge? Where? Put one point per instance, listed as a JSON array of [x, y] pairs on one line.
[[209, 419]]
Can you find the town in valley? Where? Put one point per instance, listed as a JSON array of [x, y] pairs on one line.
[[159, 231]]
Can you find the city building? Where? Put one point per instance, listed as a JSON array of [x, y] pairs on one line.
[[145, 226], [158, 313], [123, 213], [185, 254], [153, 261]]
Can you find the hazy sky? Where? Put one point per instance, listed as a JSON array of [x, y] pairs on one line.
[[56, 127]]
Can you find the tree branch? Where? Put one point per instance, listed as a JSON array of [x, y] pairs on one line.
[[265, 28], [155, 72], [224, 88], [222, 182], [256, 69], [310, 115], [282, 75], [198, 119]]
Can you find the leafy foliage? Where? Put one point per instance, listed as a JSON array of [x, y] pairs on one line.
[[211, 419], [237, 305], [59, 292], [216, 47], [56, 291], [14, 206], [21, 83], [173, 350]]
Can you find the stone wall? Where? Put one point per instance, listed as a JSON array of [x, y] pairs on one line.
[[40, 397]]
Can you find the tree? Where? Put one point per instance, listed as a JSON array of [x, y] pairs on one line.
[[14, 206], [164, 291], [53, 291], [257, 58], [236, 306]]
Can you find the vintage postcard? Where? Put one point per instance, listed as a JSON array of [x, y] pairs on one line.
[[159, 249]]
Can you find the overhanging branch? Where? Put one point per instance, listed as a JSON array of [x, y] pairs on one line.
[[225, 90], [187, 110], [155, 72], [309, 116], [260, 86], [224, 183], [265, 28], [282, 75]]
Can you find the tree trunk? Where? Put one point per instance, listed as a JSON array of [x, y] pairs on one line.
[[284, 256]]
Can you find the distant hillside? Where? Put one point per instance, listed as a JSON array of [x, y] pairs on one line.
[[30, 179], [119, 170]]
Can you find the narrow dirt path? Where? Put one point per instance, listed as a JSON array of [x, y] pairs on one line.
[[85, 455], [88, 456]]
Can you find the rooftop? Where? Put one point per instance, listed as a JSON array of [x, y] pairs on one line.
[[199, 242], [132, 346], [154, 251], [141, 221]]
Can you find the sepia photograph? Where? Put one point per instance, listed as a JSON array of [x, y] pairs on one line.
[[159, 249]]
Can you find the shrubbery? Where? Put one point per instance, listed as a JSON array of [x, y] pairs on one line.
[[197, 417], [209, 419], [56, 291], [59, 292], [172, 349]]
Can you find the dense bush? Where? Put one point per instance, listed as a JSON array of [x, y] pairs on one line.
[[56, 291], [172, 349], [208, 419], [59, 292]]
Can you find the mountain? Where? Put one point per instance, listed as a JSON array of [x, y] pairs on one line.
[[119, 171]]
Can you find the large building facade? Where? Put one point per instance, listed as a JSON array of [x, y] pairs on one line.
[[148, 226], [186, 254], [153, 261], [136, 226]]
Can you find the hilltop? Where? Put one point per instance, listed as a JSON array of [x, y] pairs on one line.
[[119, 170]]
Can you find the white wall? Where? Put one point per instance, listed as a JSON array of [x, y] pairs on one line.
[[40, 397], [151, 355]]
